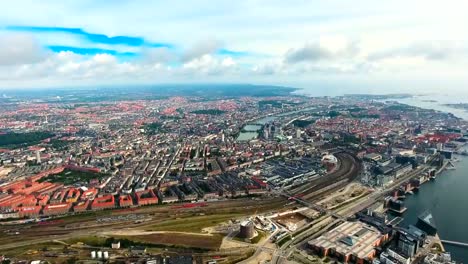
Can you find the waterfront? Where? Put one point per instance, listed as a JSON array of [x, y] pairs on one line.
[[439, 103], [447, 199], [447, 196]]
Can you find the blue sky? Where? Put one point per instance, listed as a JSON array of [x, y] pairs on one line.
[[297, 42]]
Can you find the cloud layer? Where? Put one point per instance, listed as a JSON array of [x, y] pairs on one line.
[[88, 42]]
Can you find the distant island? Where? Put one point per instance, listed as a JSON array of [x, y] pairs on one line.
[[463, 106], [429, 101], [378, 96]]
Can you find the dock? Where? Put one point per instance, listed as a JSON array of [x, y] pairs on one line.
[[455, 243]]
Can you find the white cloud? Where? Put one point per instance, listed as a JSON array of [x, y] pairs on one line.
[[200, 49], [376, 40], [209, 65], [17, 49]]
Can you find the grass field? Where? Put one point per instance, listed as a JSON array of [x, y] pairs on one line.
[[164, 239], [191, 223], [211, 242]]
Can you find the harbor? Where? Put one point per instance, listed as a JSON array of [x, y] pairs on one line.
[[444, 197]]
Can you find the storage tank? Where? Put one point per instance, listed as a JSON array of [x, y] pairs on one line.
[[106, 254], [93, 254], [247, 229], [99, 254]]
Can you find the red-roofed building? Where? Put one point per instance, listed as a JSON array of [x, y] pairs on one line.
[[36, 187], [72, 195], [125, 200], [10, 200], [15, 200], [82, 206], [57, 209], [146, 197], [104, 202], [29, 200], [43, 199], [89, 194], [58, 197], [29, 211], [13, 187], [82, 169]]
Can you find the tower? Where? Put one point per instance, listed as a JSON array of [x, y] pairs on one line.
[[38, 156], [298, 133]]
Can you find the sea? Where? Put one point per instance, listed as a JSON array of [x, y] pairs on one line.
[[446, 197]]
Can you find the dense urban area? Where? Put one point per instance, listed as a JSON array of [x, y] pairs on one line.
[[219, 175]]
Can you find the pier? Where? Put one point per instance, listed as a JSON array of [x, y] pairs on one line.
[[455, 243]]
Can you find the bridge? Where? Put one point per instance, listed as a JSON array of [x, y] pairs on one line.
[[312, 205], [455, 243]]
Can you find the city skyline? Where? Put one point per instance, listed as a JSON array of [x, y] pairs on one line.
[[418, 45]]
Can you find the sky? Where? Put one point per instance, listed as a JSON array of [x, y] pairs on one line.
[[389, 45]]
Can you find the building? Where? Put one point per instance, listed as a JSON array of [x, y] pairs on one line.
[[103, 202], [409, 240], [138, 250], [125, 200], [89, 194], [247, 229], [353, 242], [373, 157], [146, 197], [443, 258], [57, 209], [115, 245], [81, 206], [426, 223], [29, 211], [392, 257], [72, 195]]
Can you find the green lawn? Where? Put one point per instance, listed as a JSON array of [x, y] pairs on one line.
[[69, 177]]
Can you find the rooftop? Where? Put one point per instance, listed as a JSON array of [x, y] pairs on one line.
[[350, 238]]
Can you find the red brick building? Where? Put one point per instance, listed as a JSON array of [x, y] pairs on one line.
[[73, 195], [29, 211], [43, 199], [104, 202], [81, 206], [146, 197], [125, 200], [57, 209], [89, 194]]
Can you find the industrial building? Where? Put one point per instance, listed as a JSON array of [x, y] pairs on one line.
[[350, 242]]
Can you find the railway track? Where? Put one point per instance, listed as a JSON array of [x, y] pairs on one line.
[[347, 172]]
